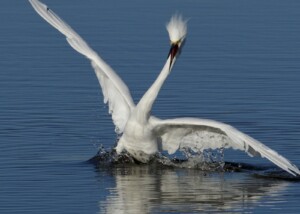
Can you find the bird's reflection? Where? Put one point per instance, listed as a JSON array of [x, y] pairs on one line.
[[148, 189]]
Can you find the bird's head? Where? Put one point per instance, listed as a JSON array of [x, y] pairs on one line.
[[177, 29]]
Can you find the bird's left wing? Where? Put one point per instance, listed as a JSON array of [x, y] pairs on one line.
[[200, 134], [115, 92]]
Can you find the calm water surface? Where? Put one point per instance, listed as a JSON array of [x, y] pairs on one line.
[[240, 65]]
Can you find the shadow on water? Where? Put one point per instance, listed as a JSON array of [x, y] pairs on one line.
[[208, 163], [160, 187]]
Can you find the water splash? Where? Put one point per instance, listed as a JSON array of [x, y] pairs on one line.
[[207, 161], [109, 157]]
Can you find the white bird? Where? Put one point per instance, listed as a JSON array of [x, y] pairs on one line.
[[143, 135]]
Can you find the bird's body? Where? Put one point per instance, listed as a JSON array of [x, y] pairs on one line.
[[143, 135], [139, 137]]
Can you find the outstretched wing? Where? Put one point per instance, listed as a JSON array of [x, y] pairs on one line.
[[115, 92], [201, 134]]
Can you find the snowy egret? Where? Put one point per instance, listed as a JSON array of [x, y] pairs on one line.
[[143, 135]]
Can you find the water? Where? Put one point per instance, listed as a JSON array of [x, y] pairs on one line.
[[240, 65]]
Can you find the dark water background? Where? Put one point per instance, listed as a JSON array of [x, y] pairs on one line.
[[240, 65]]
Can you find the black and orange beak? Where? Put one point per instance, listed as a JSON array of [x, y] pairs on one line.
[[173, 52]]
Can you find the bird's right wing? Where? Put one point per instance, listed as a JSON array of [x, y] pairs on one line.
[[201, 134], [115, 92]]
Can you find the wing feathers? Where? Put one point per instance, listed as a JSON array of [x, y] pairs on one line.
[[115, 92], [212, 134], [254, 147]]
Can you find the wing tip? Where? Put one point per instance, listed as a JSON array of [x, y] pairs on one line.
[[37, 5], [294, 171]]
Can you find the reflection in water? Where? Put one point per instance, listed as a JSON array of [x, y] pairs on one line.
[[146, 188]]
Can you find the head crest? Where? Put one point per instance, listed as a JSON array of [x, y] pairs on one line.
[[177, 28]]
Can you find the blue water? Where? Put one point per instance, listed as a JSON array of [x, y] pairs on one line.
[[240, 65]]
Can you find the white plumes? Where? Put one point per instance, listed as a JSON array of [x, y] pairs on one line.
[[143, 133], [177, 28], [116, 93]]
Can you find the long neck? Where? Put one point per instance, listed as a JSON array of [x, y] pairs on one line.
[[144, 107]]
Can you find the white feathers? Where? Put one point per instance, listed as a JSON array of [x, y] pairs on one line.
[[177, 28], [142, 132], [118, 108], [200, 134], [115, 92]]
